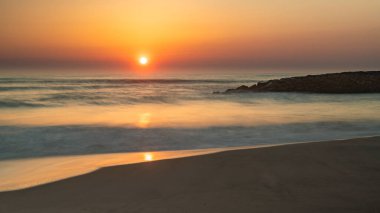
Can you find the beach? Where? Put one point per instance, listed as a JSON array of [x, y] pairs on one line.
[[189, 106], [332, 176]]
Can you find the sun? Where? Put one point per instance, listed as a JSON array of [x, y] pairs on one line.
[[143, 60]]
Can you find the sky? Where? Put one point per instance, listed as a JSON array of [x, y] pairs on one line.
[[256, 34]]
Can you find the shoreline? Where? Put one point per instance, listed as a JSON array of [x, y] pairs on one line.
[[331, 176], [20, 174]]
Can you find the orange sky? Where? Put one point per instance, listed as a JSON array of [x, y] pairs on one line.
[[199, 33]]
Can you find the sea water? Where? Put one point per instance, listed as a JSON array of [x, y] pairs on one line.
[[69, 114]]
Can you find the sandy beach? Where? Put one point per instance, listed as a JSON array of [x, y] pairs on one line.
[[189, 106], [333, 176]]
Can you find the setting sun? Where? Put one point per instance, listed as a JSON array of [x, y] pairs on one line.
[[143, 60]]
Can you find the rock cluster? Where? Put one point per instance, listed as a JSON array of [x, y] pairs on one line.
[[346, 82]]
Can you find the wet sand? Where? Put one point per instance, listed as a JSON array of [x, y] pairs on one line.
[[334, 176]]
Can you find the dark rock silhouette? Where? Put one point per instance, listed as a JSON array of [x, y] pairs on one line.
[[346, 82]]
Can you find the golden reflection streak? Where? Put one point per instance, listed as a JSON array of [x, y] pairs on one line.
[[148, 157], [144, 120]]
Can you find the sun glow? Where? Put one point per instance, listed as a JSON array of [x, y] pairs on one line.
[[143, 60], [148, 156]]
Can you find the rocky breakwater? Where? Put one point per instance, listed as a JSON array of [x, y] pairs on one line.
[[346, 82]]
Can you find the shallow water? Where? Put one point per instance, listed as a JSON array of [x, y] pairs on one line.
[[25, 173]]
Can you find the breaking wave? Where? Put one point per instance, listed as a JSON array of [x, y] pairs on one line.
[[24, 142]]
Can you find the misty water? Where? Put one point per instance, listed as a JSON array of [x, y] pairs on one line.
[[70, 114]]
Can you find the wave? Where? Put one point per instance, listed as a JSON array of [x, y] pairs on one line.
[[17, 88], [36, 141], [18, 103], [121, 81], [38, 92], [91, 99]]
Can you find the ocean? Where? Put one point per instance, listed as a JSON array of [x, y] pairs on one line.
[[66, 114]]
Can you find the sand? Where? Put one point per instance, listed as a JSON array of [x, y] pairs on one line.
[[334, 176]]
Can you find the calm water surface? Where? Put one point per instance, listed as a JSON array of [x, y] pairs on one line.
[[65, 114]]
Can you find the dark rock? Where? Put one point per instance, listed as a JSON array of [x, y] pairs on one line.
[[346, 82]]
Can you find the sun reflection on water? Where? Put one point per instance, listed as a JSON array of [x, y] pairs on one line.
[[144, 120], [148, 156]]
